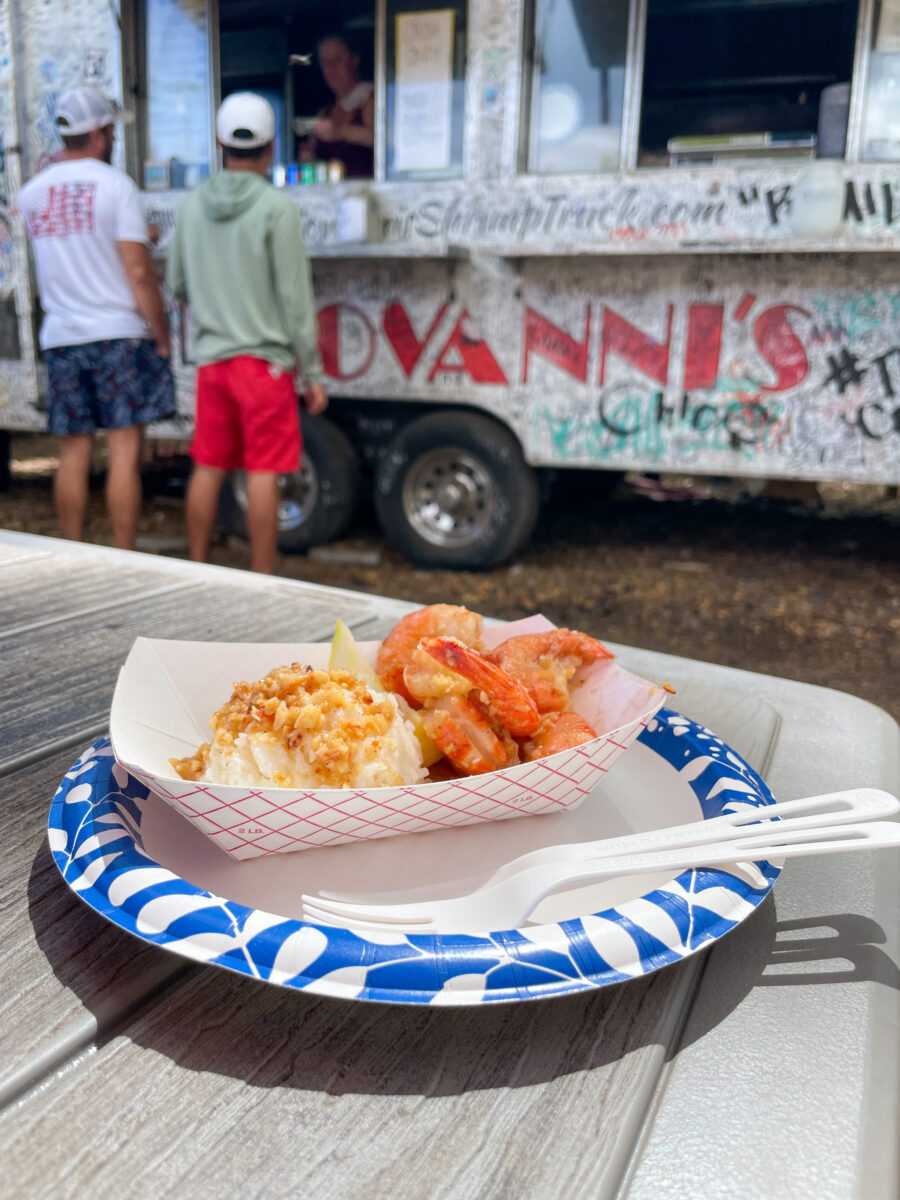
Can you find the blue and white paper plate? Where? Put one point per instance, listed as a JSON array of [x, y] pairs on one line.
[[108, 850]]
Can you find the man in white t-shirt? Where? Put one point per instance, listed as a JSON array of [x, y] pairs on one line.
[[105, 334]]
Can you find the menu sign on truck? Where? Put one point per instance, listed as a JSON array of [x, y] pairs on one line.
[[423, 82]]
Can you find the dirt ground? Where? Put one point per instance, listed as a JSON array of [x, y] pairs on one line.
[[806, 588]]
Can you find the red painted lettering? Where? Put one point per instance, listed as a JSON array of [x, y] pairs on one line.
[[346, 340], [780, 346], [704, 341], [555, 345], [474, 357], [636, 347], [399, 332], [744, 307]]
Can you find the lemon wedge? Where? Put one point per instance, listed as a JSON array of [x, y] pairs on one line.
[[347, 656]]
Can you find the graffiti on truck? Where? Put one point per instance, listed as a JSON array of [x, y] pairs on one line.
[[629, 214], [635, 420], [740, 383], [649, 409], [617, 214]]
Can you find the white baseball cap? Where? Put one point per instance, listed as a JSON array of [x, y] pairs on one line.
[[245, 121], [81, 110]]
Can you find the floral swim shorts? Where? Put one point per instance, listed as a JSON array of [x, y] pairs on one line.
[[107, 385]]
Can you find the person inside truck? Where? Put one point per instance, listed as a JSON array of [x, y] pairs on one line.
[[105, 334], [345, 130]]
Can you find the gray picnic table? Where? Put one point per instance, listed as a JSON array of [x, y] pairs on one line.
[[768, 1065]]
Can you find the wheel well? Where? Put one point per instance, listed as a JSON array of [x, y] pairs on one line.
[[372, 424]]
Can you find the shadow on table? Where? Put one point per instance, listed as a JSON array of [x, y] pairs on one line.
[[848, 952], [214, 1021]]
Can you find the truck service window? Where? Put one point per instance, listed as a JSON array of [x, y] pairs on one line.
[[577, 85], [725, 80], [313, 62], [426, 66]]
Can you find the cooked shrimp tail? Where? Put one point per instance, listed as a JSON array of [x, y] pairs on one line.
[[396, 651], [557, 731], [442, 666], [546, 662], [466, 735]]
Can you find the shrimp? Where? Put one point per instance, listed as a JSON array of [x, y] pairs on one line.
[[557, 731], [465, 734], [444, 667], [545, 662], [396, 651]]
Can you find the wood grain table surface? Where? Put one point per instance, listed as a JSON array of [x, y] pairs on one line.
[[767, 1066]]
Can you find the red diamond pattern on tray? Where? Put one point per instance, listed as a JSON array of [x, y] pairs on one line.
[[250, 823]]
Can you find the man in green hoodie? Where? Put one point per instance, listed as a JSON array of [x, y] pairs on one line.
[[237, 257]]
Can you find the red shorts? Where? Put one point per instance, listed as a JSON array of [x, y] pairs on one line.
[[247, 416]]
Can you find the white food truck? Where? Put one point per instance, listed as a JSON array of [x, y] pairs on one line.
[[609, 234]]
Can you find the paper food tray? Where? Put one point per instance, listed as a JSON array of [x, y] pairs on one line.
[[167, 691]]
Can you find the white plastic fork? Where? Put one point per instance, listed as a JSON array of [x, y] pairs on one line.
[[512, 892], [809, 812]]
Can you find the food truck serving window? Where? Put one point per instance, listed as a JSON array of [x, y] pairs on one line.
[[725, 80], [699, 81], [577, 85], [315, 63]]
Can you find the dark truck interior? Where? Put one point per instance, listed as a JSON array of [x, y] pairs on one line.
[[726, 67], [269, 46]]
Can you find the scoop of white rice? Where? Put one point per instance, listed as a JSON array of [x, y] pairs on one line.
[[261, 759], [299, 728]]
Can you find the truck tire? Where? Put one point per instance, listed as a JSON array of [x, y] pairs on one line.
[[317, 502], [453, 490]]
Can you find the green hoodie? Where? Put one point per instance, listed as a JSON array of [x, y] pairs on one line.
[[237, 257]]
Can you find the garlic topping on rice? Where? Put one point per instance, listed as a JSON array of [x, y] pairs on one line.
[[305, 728]]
